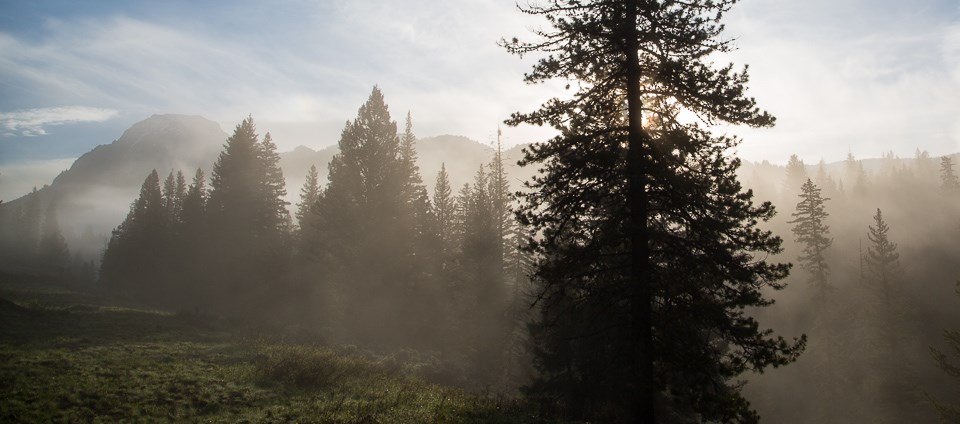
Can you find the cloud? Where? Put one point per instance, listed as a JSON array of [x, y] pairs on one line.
[[32, 122], [838, 74], [301, 80], [845, 77]]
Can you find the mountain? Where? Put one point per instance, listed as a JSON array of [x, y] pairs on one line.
[[95, 193]]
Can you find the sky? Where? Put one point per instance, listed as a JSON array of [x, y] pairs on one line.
[[842, 76]]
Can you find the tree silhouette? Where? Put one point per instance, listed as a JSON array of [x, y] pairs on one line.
[[130, 263], [443, 211], [372, 218], [248, 223], [811, 231], [309, 197], [883, 261], [948, 179], [648, 250]]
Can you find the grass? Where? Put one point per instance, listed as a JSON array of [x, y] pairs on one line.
[[70, 356]]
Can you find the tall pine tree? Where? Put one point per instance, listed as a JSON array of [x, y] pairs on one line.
[[811, 231], [648, 248], [130, 263], [248, 223], [368, 219]]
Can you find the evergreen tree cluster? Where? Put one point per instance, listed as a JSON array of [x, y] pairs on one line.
[[371, 258], [189, 247]]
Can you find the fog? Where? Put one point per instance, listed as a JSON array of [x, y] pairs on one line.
[[461, 315], [847, 371]]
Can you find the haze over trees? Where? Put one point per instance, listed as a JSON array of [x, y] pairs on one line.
[[631, 279]]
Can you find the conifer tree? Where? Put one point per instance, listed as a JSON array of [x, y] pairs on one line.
[[896, 398], [309, 196], [883, 261], [444, 210], [248, 223], [948, 179], [169, 193], [130, 263], [274, 189], [648, 251], [194, 205], [368, 217], [502, 200], [191, 286], [811, 232], [482, 280]]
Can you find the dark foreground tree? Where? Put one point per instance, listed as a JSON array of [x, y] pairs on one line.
[[648, 249], [811, 232]]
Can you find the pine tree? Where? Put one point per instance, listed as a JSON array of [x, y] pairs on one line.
[[444, 210], [648, 251], [897, 399], [130, 264], [502, 199], [367, 218], [309, 196], [170, 206], [276, 218], [948, 179], [248, 223], [189, 284], [883, 261], [194, 205], [811, 232]]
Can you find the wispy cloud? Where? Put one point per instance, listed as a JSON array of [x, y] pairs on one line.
[[839, 74], [34, 122]]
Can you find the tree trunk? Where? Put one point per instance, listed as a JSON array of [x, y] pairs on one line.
[[641, 304]]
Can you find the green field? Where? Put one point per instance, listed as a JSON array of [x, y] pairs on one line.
[[71, 356]]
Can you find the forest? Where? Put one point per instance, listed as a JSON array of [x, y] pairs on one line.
[[630, 269]]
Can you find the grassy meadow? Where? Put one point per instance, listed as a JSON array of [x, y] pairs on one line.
[[68, 355]]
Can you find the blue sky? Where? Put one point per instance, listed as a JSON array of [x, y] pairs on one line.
[[864, 76]]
